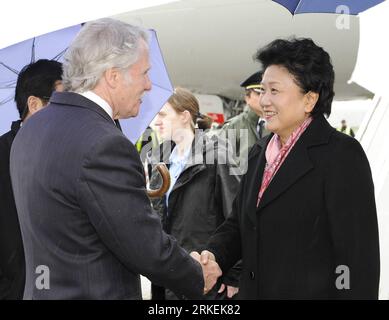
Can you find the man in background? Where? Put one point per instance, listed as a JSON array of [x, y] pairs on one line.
[[34, 86], [246, 128]]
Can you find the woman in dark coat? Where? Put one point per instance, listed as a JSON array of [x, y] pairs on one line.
[[304, 222], [203, 180]]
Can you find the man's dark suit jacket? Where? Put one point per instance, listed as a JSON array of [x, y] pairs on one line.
[[12, 267], [84, 213], [317, 214]]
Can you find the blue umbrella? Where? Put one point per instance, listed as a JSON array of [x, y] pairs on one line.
[[13, 58], [53, 46], [327, 6], [153, 101]]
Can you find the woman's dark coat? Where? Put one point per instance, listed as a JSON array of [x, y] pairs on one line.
[[318, 214]]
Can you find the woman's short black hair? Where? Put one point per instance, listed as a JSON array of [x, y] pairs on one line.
[[309, 64]]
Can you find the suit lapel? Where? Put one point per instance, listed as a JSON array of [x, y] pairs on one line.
[[296, 165], [254, 175]]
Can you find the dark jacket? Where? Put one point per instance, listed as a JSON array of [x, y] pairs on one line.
[[202, 196], [12, 265], [83, 209], [318, 213]]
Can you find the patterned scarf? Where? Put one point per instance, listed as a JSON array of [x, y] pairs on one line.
[[276, 155]]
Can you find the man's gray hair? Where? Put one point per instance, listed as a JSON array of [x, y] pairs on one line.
[[100, 45]]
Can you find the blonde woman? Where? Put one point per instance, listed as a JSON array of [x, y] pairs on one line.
[[203, 185]]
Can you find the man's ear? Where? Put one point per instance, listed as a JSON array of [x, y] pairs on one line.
[[247, 97], [112, 77], [34, 104], [311, 99]]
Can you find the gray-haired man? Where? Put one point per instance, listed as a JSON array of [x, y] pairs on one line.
[[79, 186]]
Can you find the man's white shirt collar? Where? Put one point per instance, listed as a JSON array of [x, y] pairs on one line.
[[99, 101]]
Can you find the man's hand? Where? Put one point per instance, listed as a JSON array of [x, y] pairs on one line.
[[211, 270], [207, 256]]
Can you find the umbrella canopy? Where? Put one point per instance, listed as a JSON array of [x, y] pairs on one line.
[[53, 46], [327, 6], [13, 58], [153, 101]]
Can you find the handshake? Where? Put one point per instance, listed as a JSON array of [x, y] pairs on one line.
[[211, 272]]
